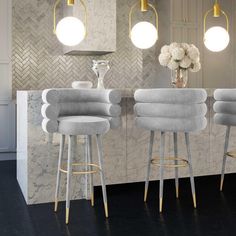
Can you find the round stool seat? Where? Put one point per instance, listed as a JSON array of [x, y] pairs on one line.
[[82, 125]]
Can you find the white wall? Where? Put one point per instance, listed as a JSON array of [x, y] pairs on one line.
[[7, 107]]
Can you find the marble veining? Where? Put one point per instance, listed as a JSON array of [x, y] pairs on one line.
[[125, 151]]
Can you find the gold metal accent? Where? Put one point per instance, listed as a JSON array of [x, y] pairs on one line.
[[63, 169], [67, 215], [216, 13], [145, 194], [156, 161], [221, 184], [143, 5], [92, 199], [56, 205], [177, 192], [216, 10], [194, 201], [131, 14], [69, 3], [160, 205], [231, 154], [106, 209], [54, 15]]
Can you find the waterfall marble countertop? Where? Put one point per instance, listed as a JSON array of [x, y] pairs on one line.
[[125, 151]]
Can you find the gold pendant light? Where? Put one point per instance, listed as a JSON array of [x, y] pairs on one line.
[[216, 38], [70, 30], [143, 34]]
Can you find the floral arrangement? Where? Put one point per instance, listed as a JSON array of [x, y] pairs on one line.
[[180, 56]]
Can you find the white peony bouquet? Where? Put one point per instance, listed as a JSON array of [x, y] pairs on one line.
[[180, 56]]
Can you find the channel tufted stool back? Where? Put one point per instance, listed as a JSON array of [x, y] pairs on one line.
[[225, 114], [170, 110], [75, 112]]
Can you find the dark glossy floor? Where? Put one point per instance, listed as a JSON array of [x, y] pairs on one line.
[[129, 216]]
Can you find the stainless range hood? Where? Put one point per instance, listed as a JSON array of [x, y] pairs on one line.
[[101, 27]]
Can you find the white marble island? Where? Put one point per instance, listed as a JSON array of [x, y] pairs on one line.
[[125, 151]]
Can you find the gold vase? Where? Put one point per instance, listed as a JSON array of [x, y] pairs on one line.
[[179, 78]]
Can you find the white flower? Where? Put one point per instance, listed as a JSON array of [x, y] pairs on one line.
[[164, 58], [195, 67], [165, 49], [173, 45], [185, 46], [186, 62], [173, 65], [193, 53], [178, 53]]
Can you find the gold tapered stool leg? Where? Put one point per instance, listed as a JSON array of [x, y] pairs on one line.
[[149, 165], [100, 159], [224, 157], [190, 170], [90, 159], [62, 144], [162, 150], [71, 150], [176, 163]]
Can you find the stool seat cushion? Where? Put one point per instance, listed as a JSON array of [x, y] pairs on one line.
[[82, 125], [225, 107], [170, 110], [225, 119], [170, 124], [171, 96]]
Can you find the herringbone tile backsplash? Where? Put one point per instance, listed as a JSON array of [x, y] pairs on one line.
[[37, 57]]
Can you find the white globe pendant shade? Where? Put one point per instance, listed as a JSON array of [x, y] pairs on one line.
[[216, 39], [144, 35], [70, 31]]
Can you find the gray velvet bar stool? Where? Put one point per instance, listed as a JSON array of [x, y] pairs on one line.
[[72, 112], [225, 114], [170, 110]]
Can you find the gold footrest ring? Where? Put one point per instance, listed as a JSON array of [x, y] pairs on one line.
[[231, 154], [63, 168], [181, 162]]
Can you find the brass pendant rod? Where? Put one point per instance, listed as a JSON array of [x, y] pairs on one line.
[[54, 15], [205, 17], [131, 14], [69, 3]]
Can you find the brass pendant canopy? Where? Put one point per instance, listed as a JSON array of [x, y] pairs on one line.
[[70, 2], [144, 5], [216, 10]]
